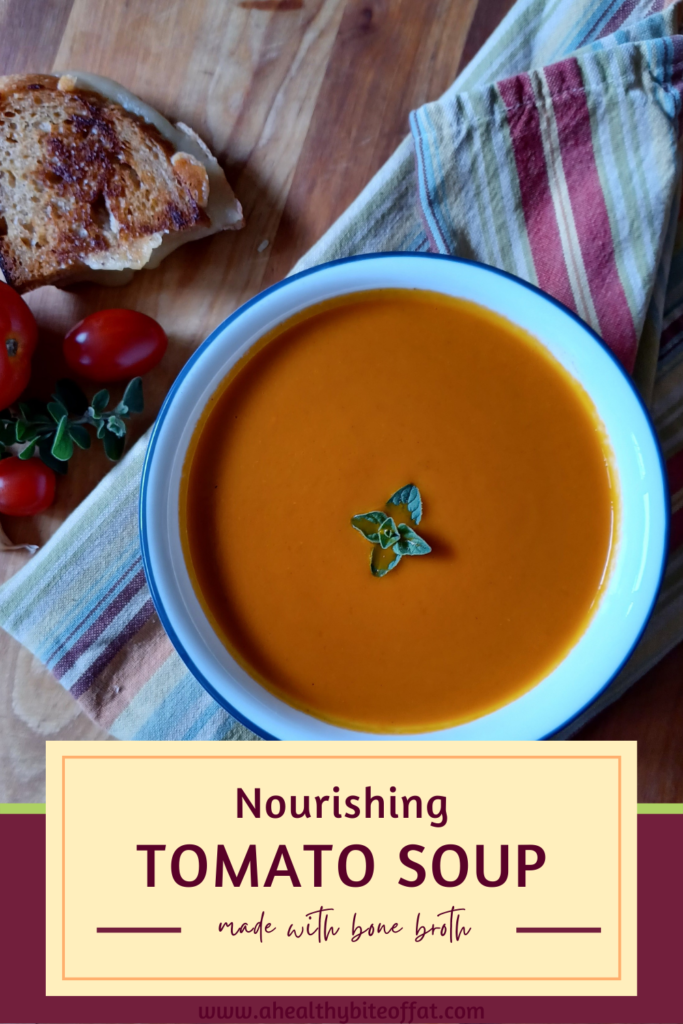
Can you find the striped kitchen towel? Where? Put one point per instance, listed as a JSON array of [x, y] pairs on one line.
[[554, 155]]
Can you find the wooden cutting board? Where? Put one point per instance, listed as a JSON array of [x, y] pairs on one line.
[[302, 101]]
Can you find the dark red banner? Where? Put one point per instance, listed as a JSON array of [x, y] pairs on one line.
[[660, 959]]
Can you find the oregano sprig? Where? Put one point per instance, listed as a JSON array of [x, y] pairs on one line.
[[391, 542], [54, 429]]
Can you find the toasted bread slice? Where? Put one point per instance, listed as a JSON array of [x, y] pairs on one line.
[[92, 180]]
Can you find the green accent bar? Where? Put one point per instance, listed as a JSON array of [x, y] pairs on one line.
[[660, 808], [22, 808], [40, 808]]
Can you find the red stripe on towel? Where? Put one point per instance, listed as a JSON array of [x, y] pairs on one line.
[[97, 628], [534, 185], [132, 568], [590, 210], [618, 19], [132, 626]]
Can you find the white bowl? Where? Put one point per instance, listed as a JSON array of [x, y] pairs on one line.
[[636, 567]]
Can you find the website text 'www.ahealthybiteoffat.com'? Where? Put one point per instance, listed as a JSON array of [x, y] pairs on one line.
[[357, 1010]]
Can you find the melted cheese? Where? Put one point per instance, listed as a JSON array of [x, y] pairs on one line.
[[223, 209]]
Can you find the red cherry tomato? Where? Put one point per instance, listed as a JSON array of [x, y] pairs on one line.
[[18, 337], [114, 344], [26, 487]]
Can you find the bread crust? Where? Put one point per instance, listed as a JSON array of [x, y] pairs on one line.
[[85, 184]]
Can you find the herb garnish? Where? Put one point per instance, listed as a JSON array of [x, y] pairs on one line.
[[391, 542], [53, 428], [410, 497]]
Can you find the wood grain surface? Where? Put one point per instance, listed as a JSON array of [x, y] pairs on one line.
[[302, 101]]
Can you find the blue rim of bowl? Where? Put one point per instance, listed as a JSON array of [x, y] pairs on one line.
[[156, 597]]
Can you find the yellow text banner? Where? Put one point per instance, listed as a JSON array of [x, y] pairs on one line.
[[401, 868]]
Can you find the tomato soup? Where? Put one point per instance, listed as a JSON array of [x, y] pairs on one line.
[[323, 420]]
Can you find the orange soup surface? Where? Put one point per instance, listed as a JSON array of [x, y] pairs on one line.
[[325, 419]]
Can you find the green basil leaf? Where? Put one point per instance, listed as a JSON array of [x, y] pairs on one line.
[[132, 396], [70, 395], [388, 534], [391, 542], [113, 445], [28, 452], [57, 410], [410, 543], [99, 403], [45, 452], [79, 434], [383, 560], [63, 446], [409, 496], [368, 524], [25, 432]]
